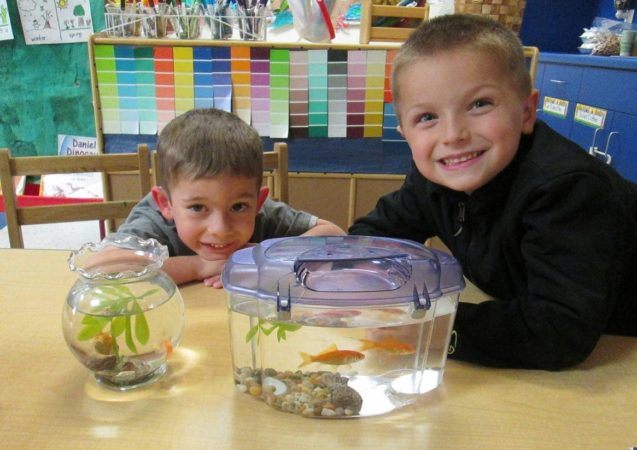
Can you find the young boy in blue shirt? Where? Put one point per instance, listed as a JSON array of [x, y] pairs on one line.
[[546, 230], [210, 202]]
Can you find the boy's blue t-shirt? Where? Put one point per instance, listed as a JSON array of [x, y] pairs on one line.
[[276, 219]]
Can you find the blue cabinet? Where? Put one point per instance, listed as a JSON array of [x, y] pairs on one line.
[[593, 101]]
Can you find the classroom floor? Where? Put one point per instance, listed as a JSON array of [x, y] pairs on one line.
[[65, 236]]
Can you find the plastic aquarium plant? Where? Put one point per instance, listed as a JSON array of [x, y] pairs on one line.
[[281, 329]]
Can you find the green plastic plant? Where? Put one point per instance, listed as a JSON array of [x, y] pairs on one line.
[[281, 329], [115, 313]]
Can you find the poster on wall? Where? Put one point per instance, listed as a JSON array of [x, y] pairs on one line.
[[74, 185], [55, 21], [6, 32]]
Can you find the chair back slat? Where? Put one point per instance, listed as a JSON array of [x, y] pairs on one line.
[[275, 164], [531, 55], [17, 215], [75, 212]]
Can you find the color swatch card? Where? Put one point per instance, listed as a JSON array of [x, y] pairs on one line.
[[240, 77], [298, 94], [279, 93], [337, 93], [374, 93], [260, 89], [164, 74], [184, 79], [356, 72], [55, 22], [203, 81], [222, 78], [317, 92]]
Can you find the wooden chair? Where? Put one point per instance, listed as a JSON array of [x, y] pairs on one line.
[[18, 215], [532, 54], [275, 168], [275, 171]]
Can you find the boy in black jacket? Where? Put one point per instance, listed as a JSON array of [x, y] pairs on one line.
[[549, 232]]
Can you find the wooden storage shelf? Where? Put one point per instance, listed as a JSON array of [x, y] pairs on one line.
[[370, 12]]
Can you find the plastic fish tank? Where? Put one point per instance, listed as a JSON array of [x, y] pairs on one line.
[[337, 327]]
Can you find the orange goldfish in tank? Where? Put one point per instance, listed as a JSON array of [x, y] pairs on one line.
[[389, 344], [332, 356]]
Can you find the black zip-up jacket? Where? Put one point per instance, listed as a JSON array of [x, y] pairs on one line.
[[552, 239]]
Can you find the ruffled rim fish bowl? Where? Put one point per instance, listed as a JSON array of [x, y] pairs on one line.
[[123, 317]]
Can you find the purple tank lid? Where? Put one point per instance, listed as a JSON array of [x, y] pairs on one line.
[[336, 271]]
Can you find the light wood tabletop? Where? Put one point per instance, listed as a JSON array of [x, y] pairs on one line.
[[49, 400]]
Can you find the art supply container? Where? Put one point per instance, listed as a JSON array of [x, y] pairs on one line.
[[252, 21], [311, 19], [336, 327], [219, 16], [190, 20]]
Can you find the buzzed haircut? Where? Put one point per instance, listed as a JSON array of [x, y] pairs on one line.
[[465, 32], [204, 143]]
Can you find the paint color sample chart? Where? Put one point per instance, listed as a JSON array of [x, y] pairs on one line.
[[322, 93]]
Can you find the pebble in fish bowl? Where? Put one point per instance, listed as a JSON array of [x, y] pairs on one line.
[[123, 317]]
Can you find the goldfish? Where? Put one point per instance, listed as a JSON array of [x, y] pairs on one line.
[[333, 356], [104, 344], [389, 344], [167, 346]]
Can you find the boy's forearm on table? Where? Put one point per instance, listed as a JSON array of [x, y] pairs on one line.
[[182, 269], [324, 228]]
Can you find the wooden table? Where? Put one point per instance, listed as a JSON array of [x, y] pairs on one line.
[[48, 400]]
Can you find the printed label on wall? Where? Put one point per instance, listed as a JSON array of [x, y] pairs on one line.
[[590, 116], [555, 106]]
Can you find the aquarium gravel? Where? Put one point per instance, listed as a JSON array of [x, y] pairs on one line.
[[317, 394]]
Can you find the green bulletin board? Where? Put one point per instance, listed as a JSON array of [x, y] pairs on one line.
[[45, 90]]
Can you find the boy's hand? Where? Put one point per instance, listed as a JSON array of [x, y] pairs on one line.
[[214, 282], [210, 272]]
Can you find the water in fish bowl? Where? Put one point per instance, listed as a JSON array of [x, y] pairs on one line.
[[125, 350], [340, 362]]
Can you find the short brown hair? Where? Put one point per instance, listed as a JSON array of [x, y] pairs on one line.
[[204, 143], [468, 32]]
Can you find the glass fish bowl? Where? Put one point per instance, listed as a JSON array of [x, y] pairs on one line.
[[339, 327], [123, 317]]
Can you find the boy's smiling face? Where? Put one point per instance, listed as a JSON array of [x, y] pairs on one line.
[[462, 118], [214, 216]]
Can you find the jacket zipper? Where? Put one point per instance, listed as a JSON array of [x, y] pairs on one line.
[[460, 219]]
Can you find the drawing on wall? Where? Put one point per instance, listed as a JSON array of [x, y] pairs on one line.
[[55, 21], [6, 32]]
